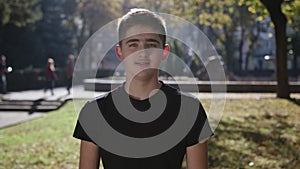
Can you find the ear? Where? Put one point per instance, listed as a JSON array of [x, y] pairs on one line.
[[166, 51], [119, 52]]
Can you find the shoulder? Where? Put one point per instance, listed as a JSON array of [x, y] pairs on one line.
[[174, 92], [103, 98], [100, 98]]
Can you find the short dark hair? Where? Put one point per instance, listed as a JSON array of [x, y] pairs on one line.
[[139, 16]]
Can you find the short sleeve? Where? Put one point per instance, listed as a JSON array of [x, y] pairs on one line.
[[79, 132], [201, 129]]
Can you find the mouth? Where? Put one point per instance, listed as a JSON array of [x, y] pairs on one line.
[[142, 64]]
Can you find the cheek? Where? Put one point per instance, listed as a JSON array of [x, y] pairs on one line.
[[156, 55], [156, 62], [129, 53], [129, 58]]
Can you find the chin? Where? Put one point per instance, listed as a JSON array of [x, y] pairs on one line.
[[146, 74]]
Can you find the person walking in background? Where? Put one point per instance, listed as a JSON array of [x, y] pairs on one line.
[[3, 71], [69, 71], [51, 76]]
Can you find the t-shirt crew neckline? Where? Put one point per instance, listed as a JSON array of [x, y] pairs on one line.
[[143, 100]]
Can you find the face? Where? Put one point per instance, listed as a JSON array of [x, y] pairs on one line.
[[142, 51], [3, 58]]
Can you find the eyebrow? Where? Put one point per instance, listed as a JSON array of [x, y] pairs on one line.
[[147, 40], [152, 40], [131, 40]]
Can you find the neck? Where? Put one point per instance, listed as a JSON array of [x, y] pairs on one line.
[[141, 89]]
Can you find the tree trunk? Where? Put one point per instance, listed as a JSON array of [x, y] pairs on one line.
[[280, 21], [242, 22], [253, 41], [296, 53], [241, 45]]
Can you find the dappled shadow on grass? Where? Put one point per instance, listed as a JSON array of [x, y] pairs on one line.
[[225, 156], [295, 101], [265, 141]]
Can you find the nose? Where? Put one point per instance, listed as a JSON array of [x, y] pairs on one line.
[[143, 52]]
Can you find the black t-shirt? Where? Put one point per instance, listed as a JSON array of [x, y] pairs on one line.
[[175, 108]]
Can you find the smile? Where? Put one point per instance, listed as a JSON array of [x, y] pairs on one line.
[[142, 64]]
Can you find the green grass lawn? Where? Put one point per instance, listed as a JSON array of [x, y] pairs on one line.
[[257, 134], [253, 133]]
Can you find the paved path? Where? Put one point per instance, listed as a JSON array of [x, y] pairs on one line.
[[9, 118]]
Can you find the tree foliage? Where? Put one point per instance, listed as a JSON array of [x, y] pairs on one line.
[[53, 32], [19, 12], [282, 13], [290, 8], [42, 28], [222, 20], [50, 28], [90, 16], [31, 45], [164, 6]]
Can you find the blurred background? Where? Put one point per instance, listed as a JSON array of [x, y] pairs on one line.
[[244, 34], [257, 41]]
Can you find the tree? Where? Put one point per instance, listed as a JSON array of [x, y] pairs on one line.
[[281, 12], [280, 22], [292, 10], [16, 30], [92, 14], [19, 13], [295, 51], [157, 5], [216, 14], [28, 44], [223, 20], [54, 35]]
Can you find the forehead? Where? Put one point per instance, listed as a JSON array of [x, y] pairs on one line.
[[141, 31]]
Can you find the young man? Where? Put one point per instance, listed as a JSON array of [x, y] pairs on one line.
[[142, 47]]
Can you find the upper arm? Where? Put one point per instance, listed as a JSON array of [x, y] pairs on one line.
[[89, 155], [197, 156]]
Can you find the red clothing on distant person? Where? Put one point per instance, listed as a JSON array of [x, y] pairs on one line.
[[69, 69], [50, 73]]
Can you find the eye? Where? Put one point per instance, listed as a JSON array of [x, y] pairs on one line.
[[133, 45], [152, 45]]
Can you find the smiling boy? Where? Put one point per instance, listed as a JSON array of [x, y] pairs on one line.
[[142, 47]]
